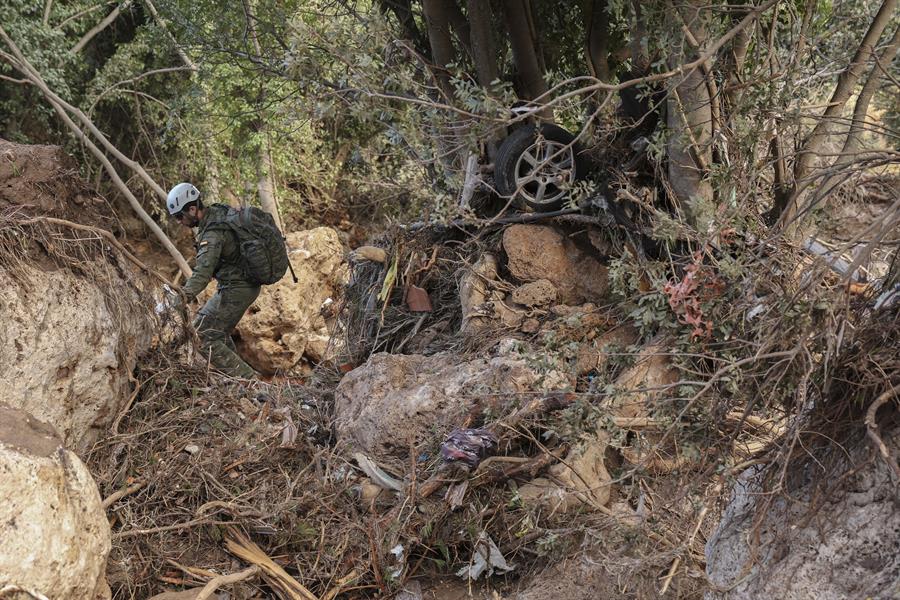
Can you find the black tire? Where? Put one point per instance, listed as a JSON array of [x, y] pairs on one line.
[[541, 186]]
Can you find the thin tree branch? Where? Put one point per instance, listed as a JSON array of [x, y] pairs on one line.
[[87, 37], [133, 80], [13, 80], [162, 25], [81, 13], [110, 169], [116, 496], [48, 5], [217, 582], [31, 73]]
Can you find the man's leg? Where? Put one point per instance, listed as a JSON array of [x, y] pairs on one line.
[[215, 322]]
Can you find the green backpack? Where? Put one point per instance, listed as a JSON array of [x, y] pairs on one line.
[[264, 258]]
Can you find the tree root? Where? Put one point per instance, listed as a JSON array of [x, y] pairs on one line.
[[872, 429]]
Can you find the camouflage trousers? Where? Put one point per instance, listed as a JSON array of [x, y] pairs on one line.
[[216, 321]]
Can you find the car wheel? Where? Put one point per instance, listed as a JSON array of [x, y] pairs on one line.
[[537, 169]]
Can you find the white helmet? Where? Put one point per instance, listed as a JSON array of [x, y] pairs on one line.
[[181, 194]]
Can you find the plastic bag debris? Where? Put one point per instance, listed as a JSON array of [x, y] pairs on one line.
[[468, 446], [487, 559]]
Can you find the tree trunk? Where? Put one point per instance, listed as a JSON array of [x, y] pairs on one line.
[[861, 108], [853, 143], [484, 49], [484, 55], [734, 61], [598, 39], [265, 184], [689, 117], [640, 59], [523, 49], [460, 26], [824, 127], [402, 9], [437, 21]]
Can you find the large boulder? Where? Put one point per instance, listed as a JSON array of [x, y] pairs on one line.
[[804, 545], [76, 316], [393, 401], [66, 351], [55, 535], [287, 325], [536, 252]]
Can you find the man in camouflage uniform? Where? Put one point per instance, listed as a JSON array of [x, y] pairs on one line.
[[218, 256]]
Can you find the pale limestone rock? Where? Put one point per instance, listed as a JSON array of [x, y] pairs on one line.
[[286, 324], [772, 546], [394, 400], [65, 353], [55, 537]]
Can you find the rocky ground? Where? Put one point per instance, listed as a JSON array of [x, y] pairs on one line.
[[611, 469]]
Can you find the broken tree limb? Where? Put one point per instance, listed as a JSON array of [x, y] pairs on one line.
[[244, 548], [87, 37], [21, 64], [162, 25], [26, 68], [116, 496], [105, 235], [872, 429]]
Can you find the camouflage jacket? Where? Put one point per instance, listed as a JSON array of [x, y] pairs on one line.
[[218, 254]]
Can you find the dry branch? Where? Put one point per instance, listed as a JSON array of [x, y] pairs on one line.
[[116, 496], [105, 235], [21, 63], [872, 429], [217, 582], [26, 68], [87, 37], [242, 547]]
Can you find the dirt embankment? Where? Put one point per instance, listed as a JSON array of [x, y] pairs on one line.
[[75, 310]]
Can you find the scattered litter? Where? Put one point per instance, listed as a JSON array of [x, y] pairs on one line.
[[397, 551], [756, 310], [288, 434], [340, 473], [417, 299], [192, 449], [888, 298], [289, 430], [487, 558], [468, 446]]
